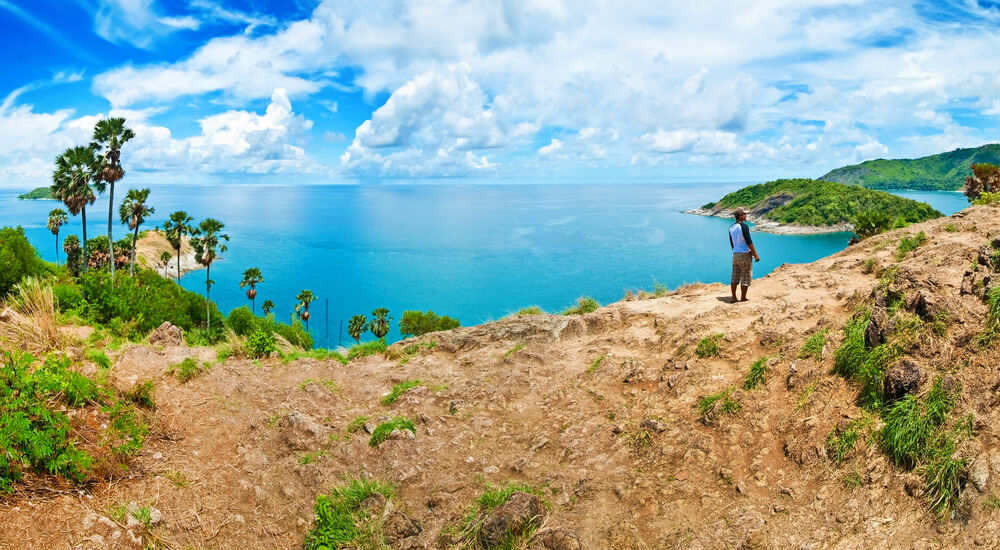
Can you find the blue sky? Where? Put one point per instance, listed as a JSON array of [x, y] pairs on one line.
[[517, 90]]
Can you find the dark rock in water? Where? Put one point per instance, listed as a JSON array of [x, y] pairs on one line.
[[902, 378], [875, 332], [560, 539], [521, 512], [167, 334]]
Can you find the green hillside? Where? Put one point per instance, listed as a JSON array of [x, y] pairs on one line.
[[820, 203], [942, 172], [38, 193]]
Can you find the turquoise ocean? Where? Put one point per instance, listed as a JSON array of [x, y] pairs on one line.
[[473, 251]]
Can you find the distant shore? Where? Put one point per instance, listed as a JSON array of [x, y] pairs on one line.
[[765, 225]]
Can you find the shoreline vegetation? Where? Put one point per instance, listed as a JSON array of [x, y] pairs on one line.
[[807, 207]]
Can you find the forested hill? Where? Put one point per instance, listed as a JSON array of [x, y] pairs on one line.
[[942, 172], [817, 203]]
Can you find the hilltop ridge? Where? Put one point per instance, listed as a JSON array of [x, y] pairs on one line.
[[940, 172], [605, 414]]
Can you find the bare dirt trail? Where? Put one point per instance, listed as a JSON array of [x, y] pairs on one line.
[[598, 410]]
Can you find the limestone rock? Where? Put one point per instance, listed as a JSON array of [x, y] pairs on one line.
[[167, 334], [521, 512], [875, 332]]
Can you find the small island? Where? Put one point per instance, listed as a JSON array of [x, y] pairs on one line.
[[806, 206], [38, 194]]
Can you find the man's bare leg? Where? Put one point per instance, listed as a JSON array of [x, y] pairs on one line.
[[742, 288], [733, 288]]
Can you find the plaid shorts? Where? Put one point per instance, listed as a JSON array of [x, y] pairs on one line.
[[742, 268]]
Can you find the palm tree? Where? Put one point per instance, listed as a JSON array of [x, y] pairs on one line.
[[267, 306], [174, 229], [380, 322], [75, 168], [110, 135], [302, 308], [165, 258], [251, 277], [57, 218], [357, 326], [205, 251], [71, 246], [133, 212]]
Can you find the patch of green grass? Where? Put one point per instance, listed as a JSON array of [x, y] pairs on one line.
[[356, 424], [867, 366], [813, 347], [803, 401], [943, 476], [939, 325], [340, 521], [223, 353], [840, 443], [366, 349], [382, 432], [597, 363], [142, 394], [317, 354], [513, 350], [756, 374], [176, 478], [991, 503], [911, 422], [398, 390], [127, 429], [310, 457], [530, 310], [584, 304], [492, 497], [98, 357], [950, 228], [328, 384], [853, 479], [118, 513], [185, 370], [868, 266], [709, 412], [909, 243], [708, 346]]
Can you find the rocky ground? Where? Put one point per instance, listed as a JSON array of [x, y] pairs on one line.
[[597, 410]]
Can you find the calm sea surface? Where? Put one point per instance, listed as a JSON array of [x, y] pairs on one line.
[[475, 252]]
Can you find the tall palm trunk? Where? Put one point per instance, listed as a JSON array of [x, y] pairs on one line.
[[208, 291], [135, 237], [179, 261], [111, 250], [83, 213], [57, 248]]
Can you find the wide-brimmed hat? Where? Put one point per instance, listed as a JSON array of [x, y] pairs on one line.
[[738, 212]]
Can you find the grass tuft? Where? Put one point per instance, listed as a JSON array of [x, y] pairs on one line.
[[530, 310], [340, 521], [398, 390], [708, 346], [366, 349], [584, 304], [185, 370], [756, 374], [908, 244], [382, 432], [597, 363], [712, 407], [813, 347]]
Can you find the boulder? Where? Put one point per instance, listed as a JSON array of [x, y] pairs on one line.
[[522, 512], [167, 335], [902, 378], [654, 425], [875, 332]]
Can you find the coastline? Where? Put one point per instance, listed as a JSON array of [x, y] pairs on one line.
[[765, 225], [149, 247]]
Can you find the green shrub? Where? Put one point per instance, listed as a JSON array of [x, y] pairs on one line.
[[318, 354], [416, 323], [68, 296], [260, 344], [185, 370], [909, 244], [99, 358], [584, 304], [756, 374], [398, 390], [708, 346], [813, 347], [341, 522], [709, 412], [35, 434], [987, 198], [382, 432], [18, 259], [241, 320], [367, 348], [127, 429], [295, 334]]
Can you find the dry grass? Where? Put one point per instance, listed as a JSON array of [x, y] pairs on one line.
[[28, 319]]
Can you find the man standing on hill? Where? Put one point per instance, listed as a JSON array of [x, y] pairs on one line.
[[743, 250]]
